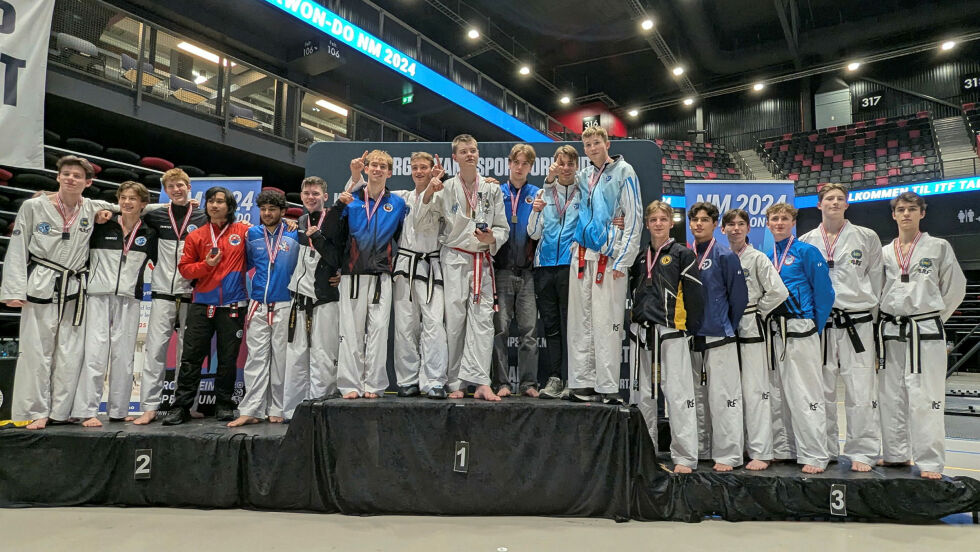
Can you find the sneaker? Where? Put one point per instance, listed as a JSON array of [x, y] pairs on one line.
[[566, 394], [584, 395], [408, 391], [612, 398], [552, 390], [437, 393]]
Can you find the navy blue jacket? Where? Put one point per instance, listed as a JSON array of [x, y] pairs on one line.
[[518, 251], [725, 292]]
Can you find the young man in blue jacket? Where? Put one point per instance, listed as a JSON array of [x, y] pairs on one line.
[[796, 351], [715, 358], [272, 251]]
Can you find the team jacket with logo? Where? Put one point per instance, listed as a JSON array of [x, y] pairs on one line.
[[671, 294], [857, 273], [554, 230], [518, 252], [109, 274], [223, 284], [936, 281], [805, 274], [165, 278], [37, 234], [270, 281], [319, 260], [766, 289], [617, 192], [370, 245], [725, 292], [458, 226]]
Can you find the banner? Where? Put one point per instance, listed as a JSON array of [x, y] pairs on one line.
[[752, 196], [245, 189], [25, 26]]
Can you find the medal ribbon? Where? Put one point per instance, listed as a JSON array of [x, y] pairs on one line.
[[652, 259], [775, 255], [905, 260], [831, 245]]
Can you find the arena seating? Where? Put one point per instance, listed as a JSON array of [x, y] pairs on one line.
[[880, 152], [690, 160], [971, 113]]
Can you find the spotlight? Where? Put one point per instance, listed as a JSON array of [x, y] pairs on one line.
[[758, 86], [853, 66], [647, 24], [633, 112], [473, 33], [948, 45], [688, 101], [565, 100], [678, 71], [524, 70]]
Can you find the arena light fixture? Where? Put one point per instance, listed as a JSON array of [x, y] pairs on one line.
[[329, 106], [688, 101], [853, 66], [758, 86], [647, 24], [948, 45], [634, 112], [678, 71], [473, 34], [524, 70], [565, 100], [202, 53]]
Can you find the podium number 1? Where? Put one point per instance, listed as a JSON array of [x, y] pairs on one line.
[[461, 460]]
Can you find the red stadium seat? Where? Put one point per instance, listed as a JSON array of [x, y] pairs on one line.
[[881, 181], [856, 176], [918, 161], [868, 167], [915, 133], [156, 163], [848, 162], [905, 155]]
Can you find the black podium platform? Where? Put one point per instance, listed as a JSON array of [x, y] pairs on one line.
[[466, 457]]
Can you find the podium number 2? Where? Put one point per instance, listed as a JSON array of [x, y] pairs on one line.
[[144, 457], [461, 459]]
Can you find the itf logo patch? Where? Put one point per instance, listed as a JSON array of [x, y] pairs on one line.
[[43, 228], [140, 241], [235, 239]]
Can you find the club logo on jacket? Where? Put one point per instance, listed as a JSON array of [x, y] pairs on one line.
[[706, 264], [284, 247], [191, 228], [665, 260], [43, 228], [388, 208], [529, 200], [856, 257], [455, 208], [140, 241], [790, 260], [235, 239], [16, 231], [925, 266], [84, 222]]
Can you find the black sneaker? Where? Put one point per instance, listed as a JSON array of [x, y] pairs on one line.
[[552, 390], [437, 393], [584, 395], [408, 391], [224, 414], [612, 398], [176, 416]]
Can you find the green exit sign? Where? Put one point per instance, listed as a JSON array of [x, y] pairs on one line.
[[407, 99]]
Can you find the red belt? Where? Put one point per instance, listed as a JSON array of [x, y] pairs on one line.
[[269, 315], [600, 270], [478, 259]]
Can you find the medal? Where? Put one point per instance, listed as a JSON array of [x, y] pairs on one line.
[[905, 260], [66, 220], [831, 245], [513, 203]]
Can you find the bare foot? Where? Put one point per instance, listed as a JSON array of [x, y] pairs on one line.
[[458, 394], [196, 414], [92, 422], [243, 420], [757, 465], [859, 466], [532, 392], [502, 392], [129, 418], [679, 468], [146, 418], [931, 475], [370, 395], [484, 392], [275, 419], [351, 395], [39, 423], [807, 468], [719, 467]]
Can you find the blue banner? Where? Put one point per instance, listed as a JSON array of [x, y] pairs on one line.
[[752, 196], [245, 189]]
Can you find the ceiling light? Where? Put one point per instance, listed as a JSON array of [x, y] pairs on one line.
[[200, 79], [332, 107], [201, 53], [633, 112], [758, 86], [948, 45], [565, 100], [688, 101], [647, 24], [525, 70], [678, 71], [853, 66], [473, 34]]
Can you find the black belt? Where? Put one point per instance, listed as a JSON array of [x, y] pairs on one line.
[[752, 309], [413, 262], [654, 337], [307, 304], [908, 330], [355, 287], [61, 287], [701, 345], [785, 335], [847, 320], [176, 299]]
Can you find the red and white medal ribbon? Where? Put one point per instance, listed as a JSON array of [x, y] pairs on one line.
[[594, 179], [513, 203], [471, 198], [830, 246], [128, 243], [66, 220], [173, 222], [775, 255], [742, 250], [652, 258], [569, 195], [370, 213], [707, 252], [904, 261], [214, 240], [270, 247]]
